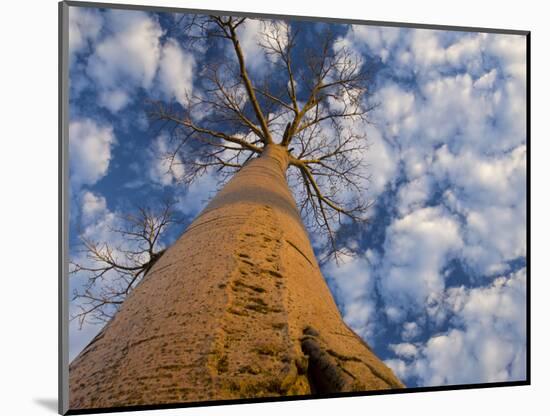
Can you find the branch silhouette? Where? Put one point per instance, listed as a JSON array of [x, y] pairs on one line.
[[112, 270]]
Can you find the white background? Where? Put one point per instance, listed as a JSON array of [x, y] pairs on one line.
[[28, 226]]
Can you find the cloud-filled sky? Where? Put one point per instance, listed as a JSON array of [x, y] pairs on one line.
[[439, 289]]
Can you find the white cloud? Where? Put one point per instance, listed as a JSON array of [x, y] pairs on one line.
[[99, 221], [410, 331], [395, 314], [114, 99], [396, 106], [249, 37], [89, 151], [463, 132], [445, 109], [176, 71], [497, 180], [417, 247], [354, 286], [399, 367], [252, 33], [414, 194], [466, 49], [84, 26], [495, 235], [487, 80], [126, 58], [426, 49], [465, 103], [427, 53], [129, 55], [404, 350], [511, 51], [489, 346], [458, 110], [381, 160], [380, 40], [490, 194], [93, 206], [162, 169]]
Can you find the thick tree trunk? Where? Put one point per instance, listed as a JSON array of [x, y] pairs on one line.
[[236, 308]]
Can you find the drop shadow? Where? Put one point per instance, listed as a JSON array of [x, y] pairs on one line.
[[49, 404]]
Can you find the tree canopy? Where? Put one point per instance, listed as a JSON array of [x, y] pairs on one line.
[[308, 101]]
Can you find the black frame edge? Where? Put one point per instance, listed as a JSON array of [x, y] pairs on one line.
[[450, 388], [528, 208]]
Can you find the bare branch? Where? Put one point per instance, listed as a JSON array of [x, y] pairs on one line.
[[248, 84], [112, 271], [314, 97]]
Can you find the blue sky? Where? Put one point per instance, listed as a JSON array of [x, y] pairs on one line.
[[439, 289]]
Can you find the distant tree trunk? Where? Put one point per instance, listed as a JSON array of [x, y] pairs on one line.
[[236, 308]]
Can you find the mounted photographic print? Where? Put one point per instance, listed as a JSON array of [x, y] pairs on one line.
[[263, 208]]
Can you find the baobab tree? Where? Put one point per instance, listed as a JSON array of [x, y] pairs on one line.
[[238, 307]]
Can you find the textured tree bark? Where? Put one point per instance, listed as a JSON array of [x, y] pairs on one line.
[[236, 308]]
